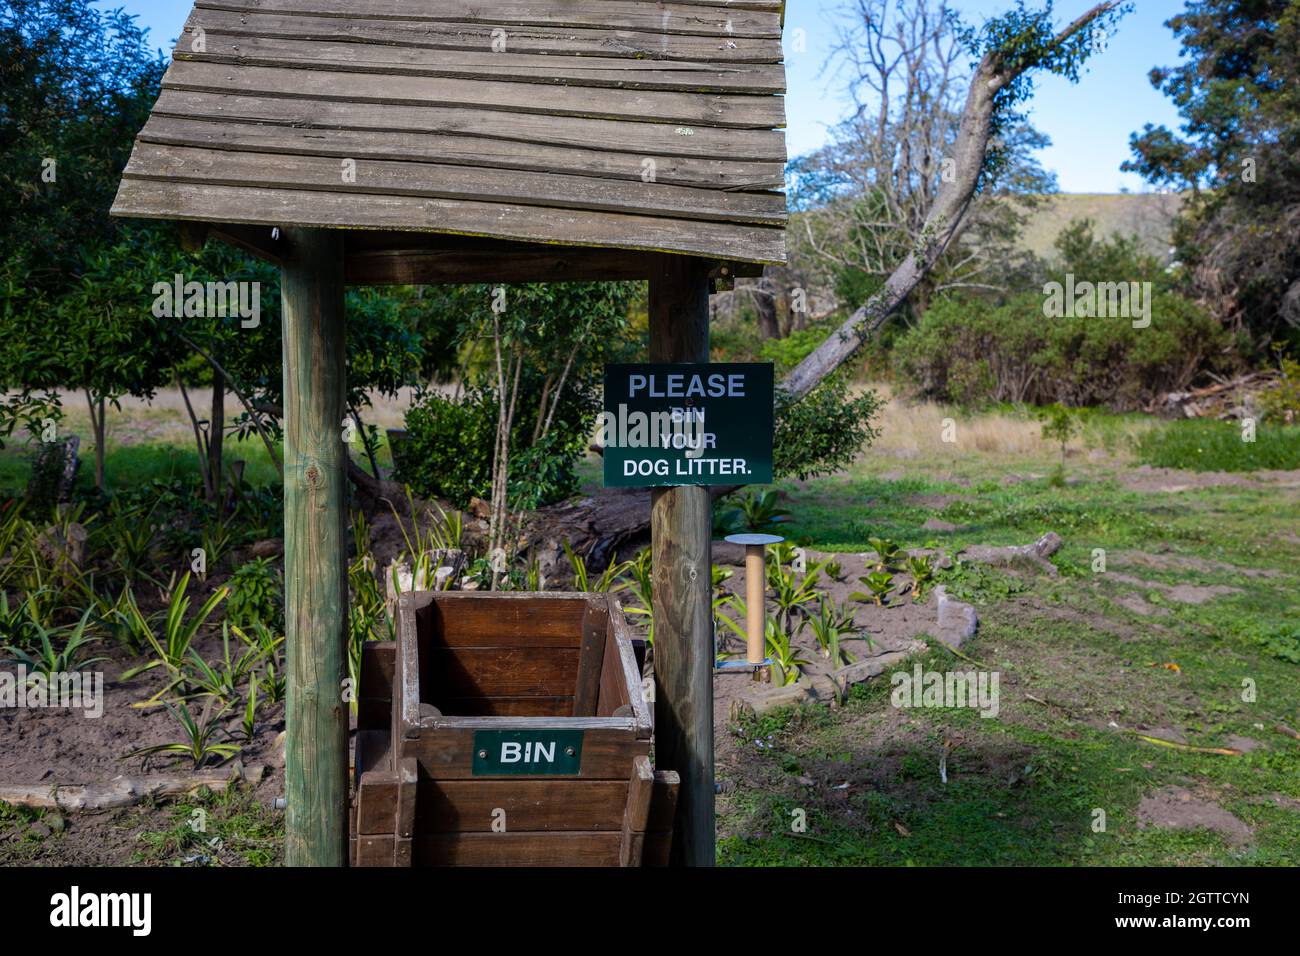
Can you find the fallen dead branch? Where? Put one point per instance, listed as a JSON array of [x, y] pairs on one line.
[[124, 791]]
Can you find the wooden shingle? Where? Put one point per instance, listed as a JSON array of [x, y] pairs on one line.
[[616, 124]]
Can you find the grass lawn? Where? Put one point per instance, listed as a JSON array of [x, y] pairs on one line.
[[1087, 660]]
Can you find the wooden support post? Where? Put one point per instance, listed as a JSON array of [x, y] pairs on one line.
[[681, 524], [315, 568]]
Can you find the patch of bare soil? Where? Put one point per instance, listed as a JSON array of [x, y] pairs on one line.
[[1185, 562], [934, 502], [82, 839], [51, 745], [1173, 480], [1176, 808], [1182, 593]]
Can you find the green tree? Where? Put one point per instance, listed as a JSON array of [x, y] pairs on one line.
[[1238, 154]]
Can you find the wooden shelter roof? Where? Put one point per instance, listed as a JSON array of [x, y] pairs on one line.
[[616, 124]]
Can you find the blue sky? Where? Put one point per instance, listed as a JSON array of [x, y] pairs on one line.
[[1089, 122]]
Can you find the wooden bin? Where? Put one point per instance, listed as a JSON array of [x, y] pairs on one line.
[[537, 752]]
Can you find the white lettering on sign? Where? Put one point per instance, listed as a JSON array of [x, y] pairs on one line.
[[512, 751], [679, 385]]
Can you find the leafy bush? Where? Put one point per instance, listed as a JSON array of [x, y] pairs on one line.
[[1202, 445], [256, 595], [1281, 403], [447, 452], [971, 351], [825, 431]]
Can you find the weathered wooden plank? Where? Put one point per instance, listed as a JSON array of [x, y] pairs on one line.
[[518, 849], [420, 267], [663, 802], [378, 669], [675, 17], [479, 619], [404, 817], [372, 751], [627, 666], [267, 125], [285, 207], [506, 706], [613, 687], [591, 658], [573, 132], [641, 45], [637, 812], [426, 180], [406, 690], [498, 672], [448, 753], [374, 850], [469, 806], [359, 90], [545, 69]]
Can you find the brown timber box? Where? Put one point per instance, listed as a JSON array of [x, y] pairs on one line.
[[507, 730]]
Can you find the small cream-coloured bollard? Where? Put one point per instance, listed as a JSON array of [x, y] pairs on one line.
[[756, 597]]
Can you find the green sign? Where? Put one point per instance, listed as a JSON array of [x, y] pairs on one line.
[[687, 424], [515, 753]]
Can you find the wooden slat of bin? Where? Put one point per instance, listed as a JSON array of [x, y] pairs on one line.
[[499, 672], [474, 620], [450, 806], [591, 657], [448, 753], [518, 849], [506, 706]]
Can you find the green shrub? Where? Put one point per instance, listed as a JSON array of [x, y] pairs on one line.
[[970, 352], [256, 595], [825, 431], [974, 351], [447, 452], [1217, 446], [1281, 403]]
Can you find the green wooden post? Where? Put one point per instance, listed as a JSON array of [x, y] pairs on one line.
[[315, 568], [681, 527]]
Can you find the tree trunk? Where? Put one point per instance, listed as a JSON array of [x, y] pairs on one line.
[[942, 222], [97, 427], [216, 434]]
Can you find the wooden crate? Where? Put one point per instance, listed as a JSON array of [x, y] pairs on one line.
[[507, 730]]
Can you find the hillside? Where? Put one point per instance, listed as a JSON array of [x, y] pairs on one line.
[[1148, 215]]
